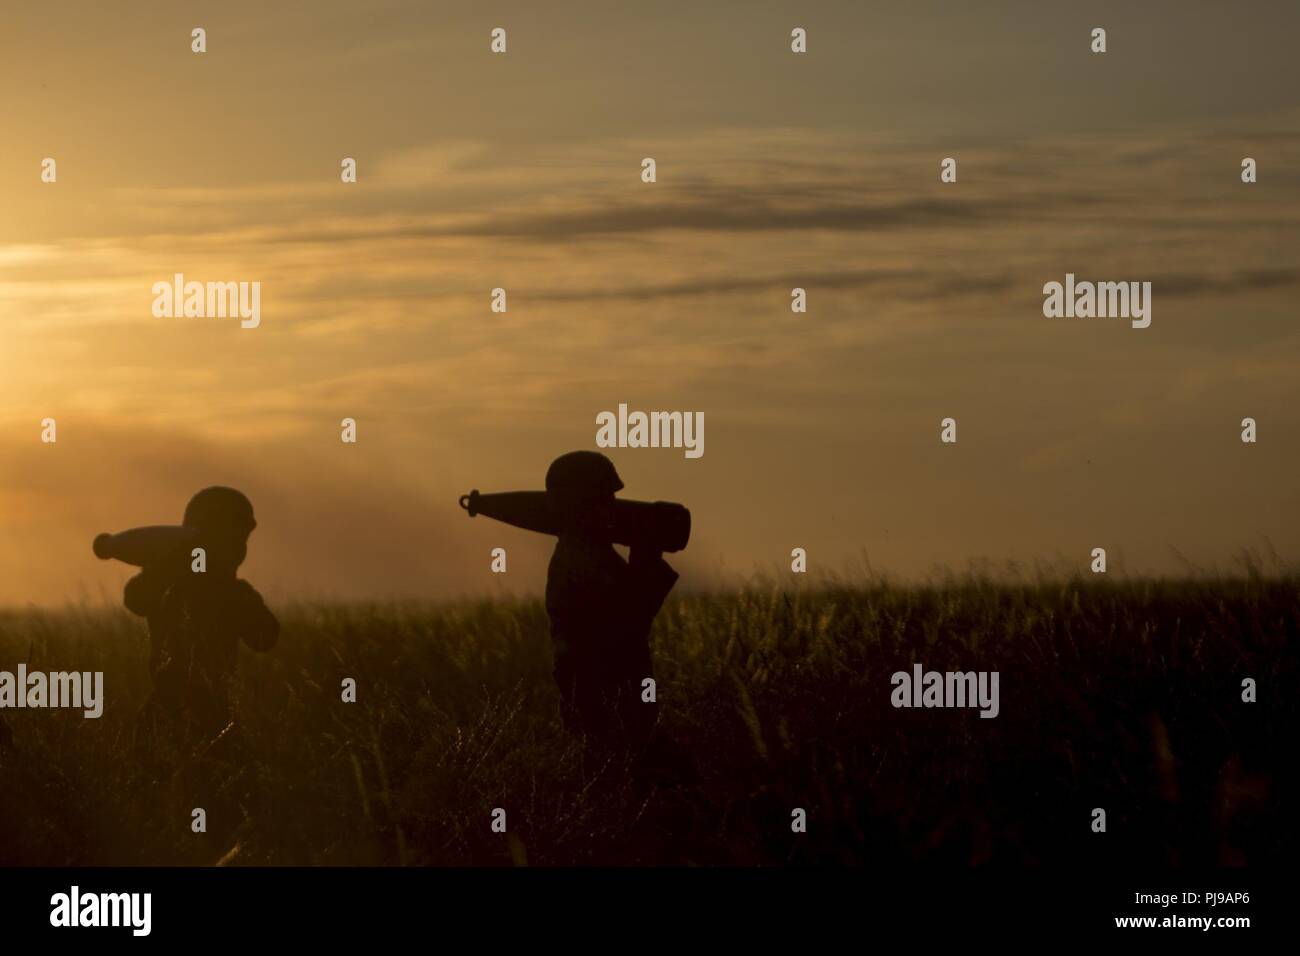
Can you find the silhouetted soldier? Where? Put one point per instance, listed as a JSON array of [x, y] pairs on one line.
[[601, 607], [197, 619]]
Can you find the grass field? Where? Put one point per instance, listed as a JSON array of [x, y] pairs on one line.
[[1120, 695]]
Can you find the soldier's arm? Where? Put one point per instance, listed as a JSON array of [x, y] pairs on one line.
[[256, 625], [650, 579], [143, 593]]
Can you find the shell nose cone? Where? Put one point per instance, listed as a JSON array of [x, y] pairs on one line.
[[103, 546]]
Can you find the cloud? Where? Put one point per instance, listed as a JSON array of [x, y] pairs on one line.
[[913, 284], [1245, 280]]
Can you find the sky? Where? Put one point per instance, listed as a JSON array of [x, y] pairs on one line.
[[775, 170]]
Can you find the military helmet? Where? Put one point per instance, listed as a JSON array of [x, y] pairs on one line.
[[220, 507], [582, 474]]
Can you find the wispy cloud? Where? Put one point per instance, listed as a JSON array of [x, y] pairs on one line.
[[923, 298]]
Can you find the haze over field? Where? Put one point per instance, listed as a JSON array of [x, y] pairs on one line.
[[522, 171]]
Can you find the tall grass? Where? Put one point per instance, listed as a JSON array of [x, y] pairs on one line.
[[1119, 695]]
